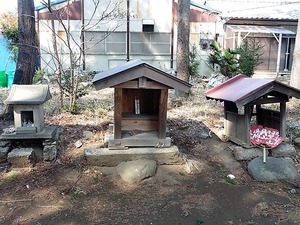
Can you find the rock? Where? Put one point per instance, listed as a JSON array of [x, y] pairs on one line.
[[21, 157], [294, 128], [5, 143], [297, 141], [87, 134], [283, 150], [273, 170], [49, 152], [4, 150], [137, 170], [78, 144], [241, 153], [3, 154]]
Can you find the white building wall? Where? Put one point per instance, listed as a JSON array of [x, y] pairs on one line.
[[46, 43], [98, 55]]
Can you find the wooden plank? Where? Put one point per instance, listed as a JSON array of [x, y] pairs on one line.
[[118, 113], [137, 142], [119, 78], [143, 125], [158, 77], [268, 100], [132, 116], [162, 114], [142, 82], [247, 120], [134, 85]]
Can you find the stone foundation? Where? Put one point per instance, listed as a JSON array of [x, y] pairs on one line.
[[111, 158]]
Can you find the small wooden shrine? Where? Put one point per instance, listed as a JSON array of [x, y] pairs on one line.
[[140, 107], [245, 99]]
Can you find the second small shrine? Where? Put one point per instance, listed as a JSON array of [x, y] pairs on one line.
[[246, 103]]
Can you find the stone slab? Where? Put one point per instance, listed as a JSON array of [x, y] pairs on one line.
[[111, 158], [21, 157], [46, 133]]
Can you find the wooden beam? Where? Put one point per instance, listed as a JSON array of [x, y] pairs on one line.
[[118, 114], [268, 100], [248, 112], [142, 82], [162, 114], [135, 85], [283, 120], [138, 142]]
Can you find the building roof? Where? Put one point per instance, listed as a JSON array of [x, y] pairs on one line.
[[242, 90], [28, 95], [53, 3], [135, 69], [204, 7], [257, 9], [260, 29]]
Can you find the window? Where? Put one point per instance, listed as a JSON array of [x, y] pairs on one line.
[[141, 43]]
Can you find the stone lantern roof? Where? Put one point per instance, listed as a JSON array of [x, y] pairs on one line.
[[28, 95]]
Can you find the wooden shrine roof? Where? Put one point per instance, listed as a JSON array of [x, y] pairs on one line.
[[137, 69], [242, 90]]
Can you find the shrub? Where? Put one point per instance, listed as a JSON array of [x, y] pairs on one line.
[[241, 60], [250, 57]]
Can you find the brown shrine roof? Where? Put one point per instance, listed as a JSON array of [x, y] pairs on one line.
[[135, 69], [242, 90]]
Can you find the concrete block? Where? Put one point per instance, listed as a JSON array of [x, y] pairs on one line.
[[111, 158], [21, 157]]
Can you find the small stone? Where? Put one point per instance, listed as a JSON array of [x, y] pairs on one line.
[[297, 141], [78, 144], [87, 134]]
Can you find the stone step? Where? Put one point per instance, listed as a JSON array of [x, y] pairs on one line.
[[111, 158], [21, 157]]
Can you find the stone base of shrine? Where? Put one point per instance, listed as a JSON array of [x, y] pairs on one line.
[[111, 158]]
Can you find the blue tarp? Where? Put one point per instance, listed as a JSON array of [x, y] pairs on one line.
[[6, 62]]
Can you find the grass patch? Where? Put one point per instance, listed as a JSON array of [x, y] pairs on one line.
[[11, 175]]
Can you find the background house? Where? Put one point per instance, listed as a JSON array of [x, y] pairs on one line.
[[147, 30], [139, 29], [271, 23]]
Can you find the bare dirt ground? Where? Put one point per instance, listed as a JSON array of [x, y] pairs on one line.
[[67, 191]]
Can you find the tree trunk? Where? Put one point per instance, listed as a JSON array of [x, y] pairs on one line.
[[27, 43], [183, 41], [295, 73]]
